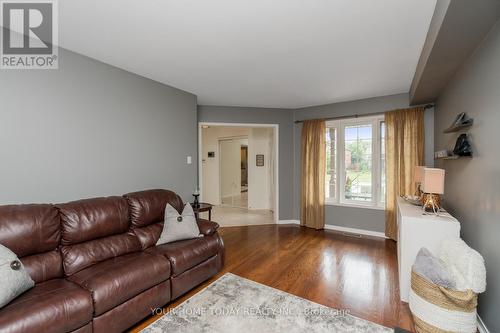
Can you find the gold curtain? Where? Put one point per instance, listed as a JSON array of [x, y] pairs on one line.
[[313, 166], [404, 149]]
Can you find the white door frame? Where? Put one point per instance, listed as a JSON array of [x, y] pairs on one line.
[[275, 128]]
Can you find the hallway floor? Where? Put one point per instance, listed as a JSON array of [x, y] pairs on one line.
[[240, 200], [232, 216]]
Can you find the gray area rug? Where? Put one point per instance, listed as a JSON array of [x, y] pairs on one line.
[[234, 304]]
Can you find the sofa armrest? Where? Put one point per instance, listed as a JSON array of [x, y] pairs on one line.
[[207, 228]]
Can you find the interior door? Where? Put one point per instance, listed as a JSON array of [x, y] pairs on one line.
[[244, 168], [230, 171]]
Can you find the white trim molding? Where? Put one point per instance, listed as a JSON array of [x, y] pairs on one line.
[[481, 326], [341, 229], [355, 231], [350, 205], [288, 222]]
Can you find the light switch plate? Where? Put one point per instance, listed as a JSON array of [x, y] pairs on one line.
[[188, 160]]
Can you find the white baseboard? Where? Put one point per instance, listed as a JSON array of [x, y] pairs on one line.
[[481, 326], [355, 231], [341, 229], [288, 222]]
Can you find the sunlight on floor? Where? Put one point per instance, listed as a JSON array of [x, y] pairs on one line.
[[231, 216], [240, 200]]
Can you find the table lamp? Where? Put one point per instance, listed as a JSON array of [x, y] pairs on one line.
[[418, 175], [433, 187], [196, 194]]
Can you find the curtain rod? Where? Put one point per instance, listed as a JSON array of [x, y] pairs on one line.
[[427, 106]]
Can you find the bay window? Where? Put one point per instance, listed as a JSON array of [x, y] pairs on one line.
[[355, 154]]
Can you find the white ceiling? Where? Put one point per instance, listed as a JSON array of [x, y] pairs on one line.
[[267, 53]]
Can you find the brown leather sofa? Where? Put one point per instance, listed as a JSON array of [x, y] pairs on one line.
[[96, 265]]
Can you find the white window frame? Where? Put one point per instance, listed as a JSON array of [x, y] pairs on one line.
[[340, 200], [380, 203]]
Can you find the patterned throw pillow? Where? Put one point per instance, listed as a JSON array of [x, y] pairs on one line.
[[178, 226], [14, 279]]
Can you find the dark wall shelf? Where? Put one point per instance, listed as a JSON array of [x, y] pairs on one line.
[[464, 124], [452, 157], [458, 128]]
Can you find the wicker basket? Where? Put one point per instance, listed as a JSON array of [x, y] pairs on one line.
[[436, 309]]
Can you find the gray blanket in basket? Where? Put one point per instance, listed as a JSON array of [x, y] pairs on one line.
[[433, 269]]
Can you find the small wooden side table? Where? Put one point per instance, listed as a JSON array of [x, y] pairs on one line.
[[203, 207]]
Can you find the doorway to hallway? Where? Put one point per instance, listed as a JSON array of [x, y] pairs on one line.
[[238, 172]]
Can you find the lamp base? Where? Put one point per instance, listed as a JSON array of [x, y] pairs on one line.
[[431, 202], [196, 203]]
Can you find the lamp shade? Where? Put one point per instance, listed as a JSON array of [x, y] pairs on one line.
[[418, 174], [433, 181]]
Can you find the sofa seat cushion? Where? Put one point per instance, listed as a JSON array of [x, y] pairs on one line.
[[52, 306], [117, 280], [186, 254]]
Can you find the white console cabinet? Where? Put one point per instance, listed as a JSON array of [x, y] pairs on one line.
[[416, 231]]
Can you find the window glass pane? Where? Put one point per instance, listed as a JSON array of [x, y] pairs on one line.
[[358, 162], [331, 163], [382, 161]]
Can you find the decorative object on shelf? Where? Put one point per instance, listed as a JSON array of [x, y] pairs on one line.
[[462, 146], [418, 175], [433, 187], [413, 199], [460, 123], [196, 194], [442, 154], [259, 160]]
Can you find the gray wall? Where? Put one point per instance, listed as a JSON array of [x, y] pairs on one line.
[[472, 186], [90, 129], [443, 52], [282, 117], [361, 218]]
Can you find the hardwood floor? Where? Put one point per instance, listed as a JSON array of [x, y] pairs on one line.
[[326, 267]]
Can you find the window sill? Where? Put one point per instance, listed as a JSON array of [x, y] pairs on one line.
[[351, 205]]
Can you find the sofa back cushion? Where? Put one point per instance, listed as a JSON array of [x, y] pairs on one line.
[[148, 207], [33, 233], [94, 230], [147, 212], [89, 219]]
